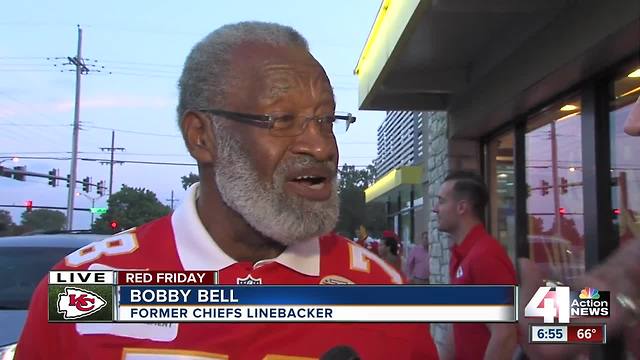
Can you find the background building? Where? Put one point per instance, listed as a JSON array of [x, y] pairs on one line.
[[399, 141], [399, 173], [533, 94]]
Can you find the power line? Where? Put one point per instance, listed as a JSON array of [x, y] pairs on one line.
[[125, 161], [133, 131], [29, 106], [22, 57], [132, 68], [36, 125], [141, 63]]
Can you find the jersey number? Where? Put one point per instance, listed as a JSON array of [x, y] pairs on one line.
[[360, 260], [124, 243]]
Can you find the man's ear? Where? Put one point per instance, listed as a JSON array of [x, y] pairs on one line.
[[198, 136], [462, 207]]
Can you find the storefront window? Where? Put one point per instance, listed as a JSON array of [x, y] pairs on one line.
[[502, 192], [625, 158], [555, 190]]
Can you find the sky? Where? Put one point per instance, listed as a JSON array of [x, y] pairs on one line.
[[136, 49]]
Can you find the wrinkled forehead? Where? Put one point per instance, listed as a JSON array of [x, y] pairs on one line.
[[268, 73], [279, 77]]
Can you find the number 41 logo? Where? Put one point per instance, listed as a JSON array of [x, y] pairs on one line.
[[556, 303]]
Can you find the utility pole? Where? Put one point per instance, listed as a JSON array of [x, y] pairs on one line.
[[172, 200], [111, 162], [80, 70]]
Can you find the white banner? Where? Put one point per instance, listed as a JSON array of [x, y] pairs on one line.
[[68, 277], [316, 313]]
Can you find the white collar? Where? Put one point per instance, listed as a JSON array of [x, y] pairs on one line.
[[198, 251]]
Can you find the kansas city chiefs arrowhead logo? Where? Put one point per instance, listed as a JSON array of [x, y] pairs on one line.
[[76, 303]]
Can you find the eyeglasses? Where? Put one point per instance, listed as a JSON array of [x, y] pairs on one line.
[[286, 124]]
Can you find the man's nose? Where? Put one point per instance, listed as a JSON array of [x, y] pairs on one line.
[[316, 142]]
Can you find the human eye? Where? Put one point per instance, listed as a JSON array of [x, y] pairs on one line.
[[283, 120]]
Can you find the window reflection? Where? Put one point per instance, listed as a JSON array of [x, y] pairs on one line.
[[625, 159], [555, 190], [502, 191]]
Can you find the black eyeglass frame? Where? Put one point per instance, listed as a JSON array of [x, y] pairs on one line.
[[267, 121]]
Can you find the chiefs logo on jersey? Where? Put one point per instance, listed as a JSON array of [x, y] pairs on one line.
[[335, 280], [249, 280], [77, 303]]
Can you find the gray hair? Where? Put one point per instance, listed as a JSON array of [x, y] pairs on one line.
[[204, 80]]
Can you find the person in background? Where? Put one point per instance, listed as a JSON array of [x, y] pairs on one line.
[[476, 259], [365, 241], [257, 112], [418, 261], [390, 249]]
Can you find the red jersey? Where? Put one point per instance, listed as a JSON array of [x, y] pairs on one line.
[[369, 244], [478, 260], [180, 242]]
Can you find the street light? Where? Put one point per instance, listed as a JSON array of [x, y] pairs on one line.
[[14, 159], [93, 202]]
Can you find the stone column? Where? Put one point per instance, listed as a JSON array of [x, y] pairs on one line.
[[442, 154]]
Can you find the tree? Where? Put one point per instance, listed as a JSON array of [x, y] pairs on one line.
[[568, 230], [128, 208], [43, 219], [353, 210], [536, 225], [6, 223], [189, 180]]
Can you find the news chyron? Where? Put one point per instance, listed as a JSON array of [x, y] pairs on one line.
[[81, 296], [563, 304]]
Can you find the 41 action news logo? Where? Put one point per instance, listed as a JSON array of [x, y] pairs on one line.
[[562, 303]]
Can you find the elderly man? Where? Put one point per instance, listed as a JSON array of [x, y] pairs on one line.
[[620, 274], [257, 112]]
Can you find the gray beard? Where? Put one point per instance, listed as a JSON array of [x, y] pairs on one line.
[[286, 219]]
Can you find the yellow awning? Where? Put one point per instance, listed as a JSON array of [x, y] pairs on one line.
[[390, 23], [394, 179]]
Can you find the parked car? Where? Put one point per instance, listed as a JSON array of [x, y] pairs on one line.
[[24, 261]]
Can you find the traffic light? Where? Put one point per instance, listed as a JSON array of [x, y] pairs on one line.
[[86, 183], [20, 177], [100, 187], [28, 205], [562, 211], [544, 187], [616, 214], [53, 177], [68, 180], [564, 185], [114, 225], [4, 172]]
